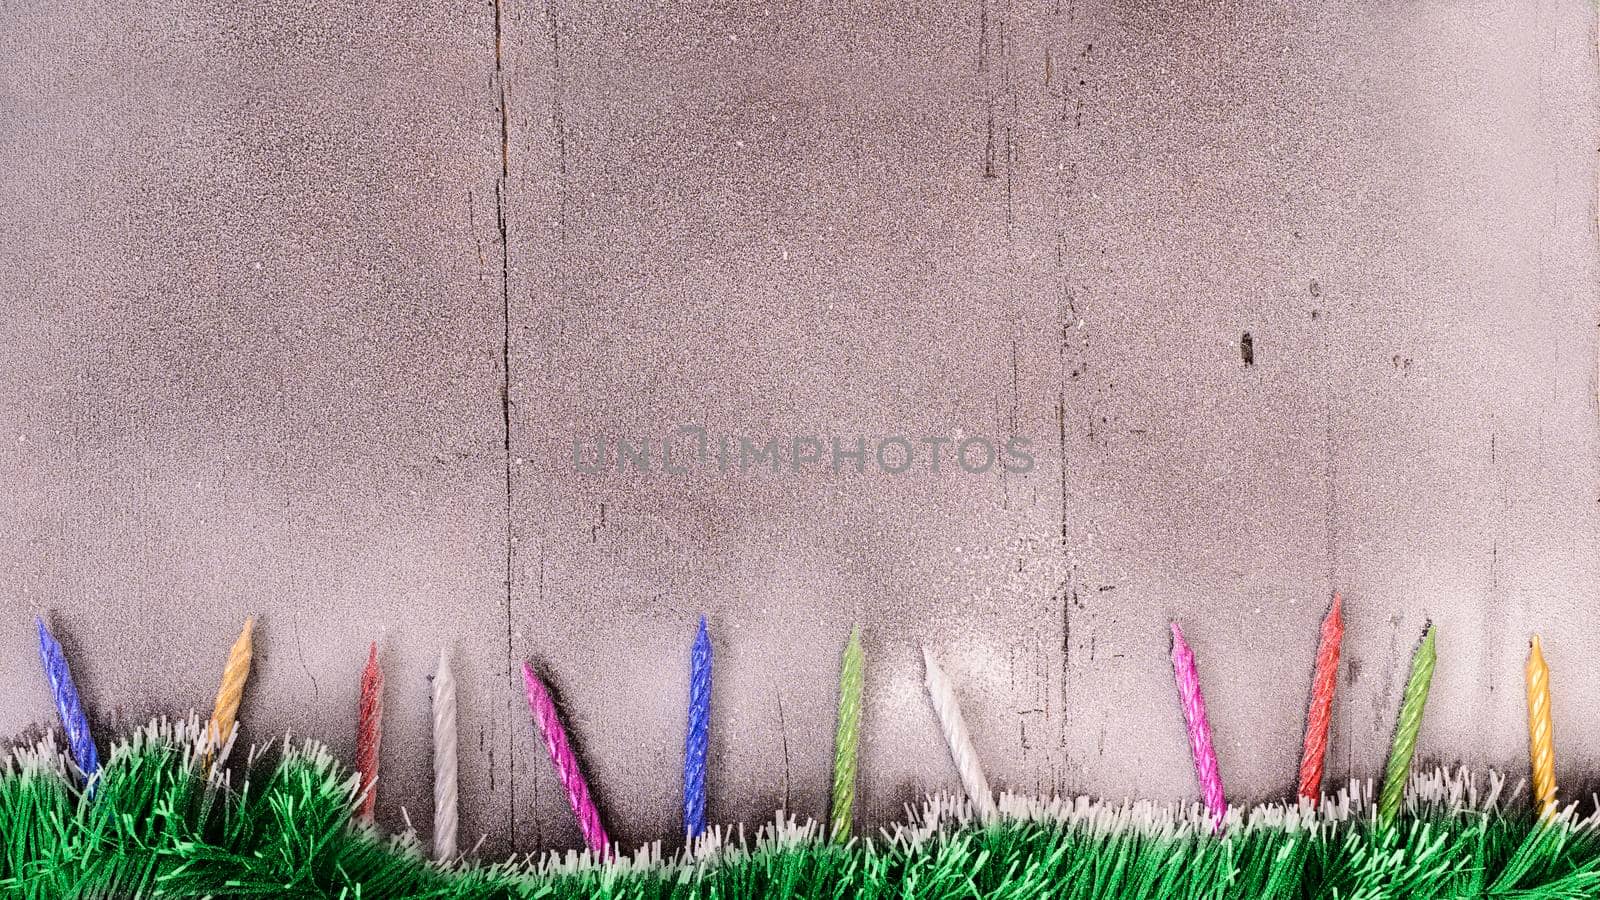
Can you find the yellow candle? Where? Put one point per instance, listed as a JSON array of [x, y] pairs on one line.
[[226, 710], [1541, 740]]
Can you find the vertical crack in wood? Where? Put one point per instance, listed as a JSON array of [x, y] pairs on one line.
[[505, 392]]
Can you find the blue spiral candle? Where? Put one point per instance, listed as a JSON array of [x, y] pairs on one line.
[[694, 747], [65, 693]]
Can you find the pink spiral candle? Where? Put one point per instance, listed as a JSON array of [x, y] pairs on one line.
[[1194, 714], [566, 763]]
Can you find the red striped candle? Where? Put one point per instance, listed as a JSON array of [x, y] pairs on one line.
[[1320, 712], [369, 733]]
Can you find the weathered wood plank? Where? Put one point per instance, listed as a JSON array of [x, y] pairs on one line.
[[308, 307]]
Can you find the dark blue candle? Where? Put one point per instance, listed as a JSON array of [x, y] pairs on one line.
[[694, 749], [65, 693]]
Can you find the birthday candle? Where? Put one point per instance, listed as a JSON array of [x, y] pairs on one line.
[[565, 761], [369, 733], [444, 759], [1541, 739], [697, 739], [847, 739], [1406, 729], [225, 711], [1194, 715], [962, 751], [1318, 715], [68, 705]]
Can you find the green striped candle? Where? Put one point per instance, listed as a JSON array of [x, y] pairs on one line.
[[1406, 729], [847, 739]]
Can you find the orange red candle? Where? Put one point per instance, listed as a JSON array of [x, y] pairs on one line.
[[369, 733], [1319, 714]]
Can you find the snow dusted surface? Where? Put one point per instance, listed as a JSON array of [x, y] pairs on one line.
[[264, 272]]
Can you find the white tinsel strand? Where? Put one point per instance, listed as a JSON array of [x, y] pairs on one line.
[[444, 760], [955, 734]]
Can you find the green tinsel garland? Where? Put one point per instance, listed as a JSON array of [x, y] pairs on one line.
[[156, 826]]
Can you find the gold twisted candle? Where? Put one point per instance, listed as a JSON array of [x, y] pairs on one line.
[[225, 712], [1541, 740], [1406, 729], [847, 739]]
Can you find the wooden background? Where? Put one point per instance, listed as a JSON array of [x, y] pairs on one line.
[[305, 303]]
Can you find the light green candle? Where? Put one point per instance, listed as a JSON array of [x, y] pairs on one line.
[[847, 739], [1406, 729]]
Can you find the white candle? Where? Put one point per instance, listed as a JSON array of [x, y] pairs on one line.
[[955, 734], [444, 760]]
